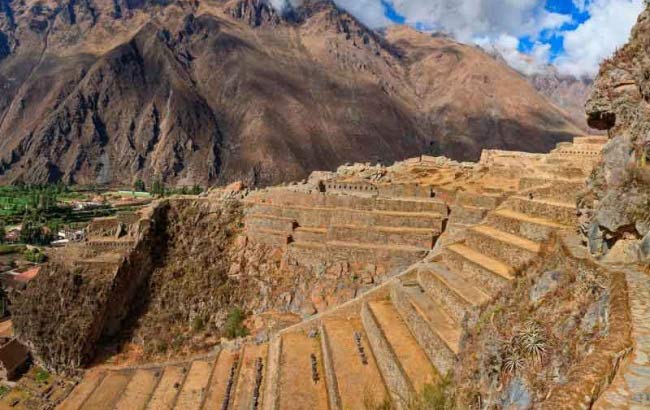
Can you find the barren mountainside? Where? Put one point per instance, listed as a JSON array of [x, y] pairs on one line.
[[99, 91]]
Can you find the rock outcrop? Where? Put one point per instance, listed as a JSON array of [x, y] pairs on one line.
[[209, 91], [617, 203]]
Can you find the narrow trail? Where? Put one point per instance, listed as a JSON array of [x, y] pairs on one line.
[[630, 389]]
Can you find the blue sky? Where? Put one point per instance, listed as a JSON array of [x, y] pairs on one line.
[[574, 35]]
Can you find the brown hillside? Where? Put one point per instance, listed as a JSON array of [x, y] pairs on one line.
[[100, 91]]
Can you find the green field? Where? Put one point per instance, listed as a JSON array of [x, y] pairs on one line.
[[49, 202]]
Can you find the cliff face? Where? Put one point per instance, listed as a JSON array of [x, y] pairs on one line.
[[209, 91], [617, 204]]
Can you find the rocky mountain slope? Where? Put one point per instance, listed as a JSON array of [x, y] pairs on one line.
[[568, 92], [618, 199], [99, 91]]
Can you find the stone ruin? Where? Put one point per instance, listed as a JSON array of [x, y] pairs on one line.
[[444, 249]]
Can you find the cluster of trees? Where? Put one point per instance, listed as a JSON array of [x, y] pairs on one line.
[[159, 189], [35, 229]]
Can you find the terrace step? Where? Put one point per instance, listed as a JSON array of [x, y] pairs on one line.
[[520, 224], [193, 390], [455, 294], [591, 139], [429, 220], [383, 235], [398, 382], [164, 396], [566, 183], [317, 235], [246, 381], [479, 200], [224, 373], [139, 390], [411, 205], [560, 212], [477, 267], [467, 214], [431, 326], [83, 390], [108, 391], [419, 214], [408, 351], [269, 237], [358, 380], [273, 222], [297, 387], [495, 243], [369, 246]]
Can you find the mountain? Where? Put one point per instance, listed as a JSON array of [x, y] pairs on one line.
[[206, 91], [567, 91]]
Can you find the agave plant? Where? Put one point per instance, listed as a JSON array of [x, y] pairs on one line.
[[513, 361], [531, 340]]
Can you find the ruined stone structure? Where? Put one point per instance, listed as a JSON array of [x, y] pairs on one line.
[[362, 224], [95, 281], [386, 344]]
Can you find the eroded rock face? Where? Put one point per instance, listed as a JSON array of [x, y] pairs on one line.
[[618, 197]]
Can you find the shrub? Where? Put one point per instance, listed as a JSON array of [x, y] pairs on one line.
[[198, 324], [34, 255], [42, 375], [440, 396], [234, 326]]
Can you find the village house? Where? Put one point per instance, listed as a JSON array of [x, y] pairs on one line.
[[12, 235]]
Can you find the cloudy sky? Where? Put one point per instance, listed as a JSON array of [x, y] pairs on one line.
[[575, 35]]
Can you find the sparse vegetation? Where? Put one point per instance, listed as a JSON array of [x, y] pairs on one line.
[[198, 324], [41, 375], [34, 255], [440, 396]]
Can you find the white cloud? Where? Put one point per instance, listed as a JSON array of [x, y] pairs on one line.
[[370, 12], [506, 46], [467, 19], [597, 38], [497, 24]]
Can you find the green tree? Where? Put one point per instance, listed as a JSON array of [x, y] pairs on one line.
[[139, 186], [3, 231], [158, 187], [34, 231], [196, 189]]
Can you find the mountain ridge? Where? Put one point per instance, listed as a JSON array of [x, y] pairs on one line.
[[214, 91]]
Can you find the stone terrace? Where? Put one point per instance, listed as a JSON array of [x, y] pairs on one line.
[[360, 223], [385, 344]]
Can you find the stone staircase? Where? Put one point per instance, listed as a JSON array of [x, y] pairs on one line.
[[630, 389]]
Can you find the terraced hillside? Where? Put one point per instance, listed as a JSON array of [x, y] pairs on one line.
[[406, 333]]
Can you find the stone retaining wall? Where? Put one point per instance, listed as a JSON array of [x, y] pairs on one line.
[[438, 352], [395, 378]]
